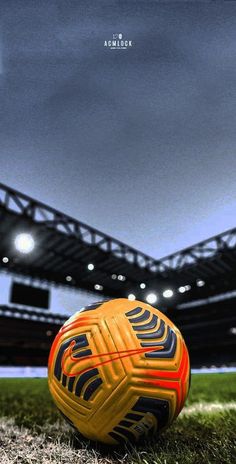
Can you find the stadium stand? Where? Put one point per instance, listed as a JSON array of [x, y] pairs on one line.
[[200, 280]]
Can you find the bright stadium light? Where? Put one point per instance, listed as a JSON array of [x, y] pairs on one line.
[[114, 276], [68, 278], [24, 243], [184, 288], [200, 283], [121, 277], [142, 285], [131, 297], [181, 289], [151, 298], [90, 266], [168, 293], [187, 288], [5, 259], [98, 287]]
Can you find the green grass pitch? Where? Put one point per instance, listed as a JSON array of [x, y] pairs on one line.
[[32, 431]]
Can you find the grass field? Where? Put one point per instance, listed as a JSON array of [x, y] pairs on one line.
[[32, 431]]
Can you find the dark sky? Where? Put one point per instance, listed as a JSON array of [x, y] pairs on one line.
[[140, 143]]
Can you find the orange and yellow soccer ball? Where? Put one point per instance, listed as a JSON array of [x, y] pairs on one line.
[[119, 370]]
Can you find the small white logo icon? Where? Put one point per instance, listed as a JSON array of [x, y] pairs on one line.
[[118, 42]]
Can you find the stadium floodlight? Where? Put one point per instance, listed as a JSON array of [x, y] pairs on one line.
[[98, 287], [232, 330], [114, 276], [187, 288], [5, 259], [131, 297], [168, 293], [90, 266], [24, 243], [142, 285], [121, 277], [181, 289], [68, 278], [151, 298], [200, 283]]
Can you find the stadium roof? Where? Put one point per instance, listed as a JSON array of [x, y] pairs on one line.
[[65, 247]]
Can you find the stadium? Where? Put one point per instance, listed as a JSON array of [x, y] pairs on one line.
[[41, 248]]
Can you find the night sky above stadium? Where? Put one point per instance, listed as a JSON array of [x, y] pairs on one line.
[[139, 143]]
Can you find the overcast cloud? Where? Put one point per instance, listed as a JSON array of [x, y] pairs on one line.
[[140, 143]]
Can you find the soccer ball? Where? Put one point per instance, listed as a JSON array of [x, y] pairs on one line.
[[119, 370]]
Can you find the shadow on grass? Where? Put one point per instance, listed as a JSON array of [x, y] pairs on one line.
[[190, 440]]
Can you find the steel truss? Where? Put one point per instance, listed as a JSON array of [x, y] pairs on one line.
[[204, 250], [73, 243], [25, 206]]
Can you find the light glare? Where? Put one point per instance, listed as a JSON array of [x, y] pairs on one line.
[[24, 243], [98, 287], [200, 283], [151, 298], [168, 293], [187, 288], [182, 289], [90, 266], [131, 297], [142, 285]]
